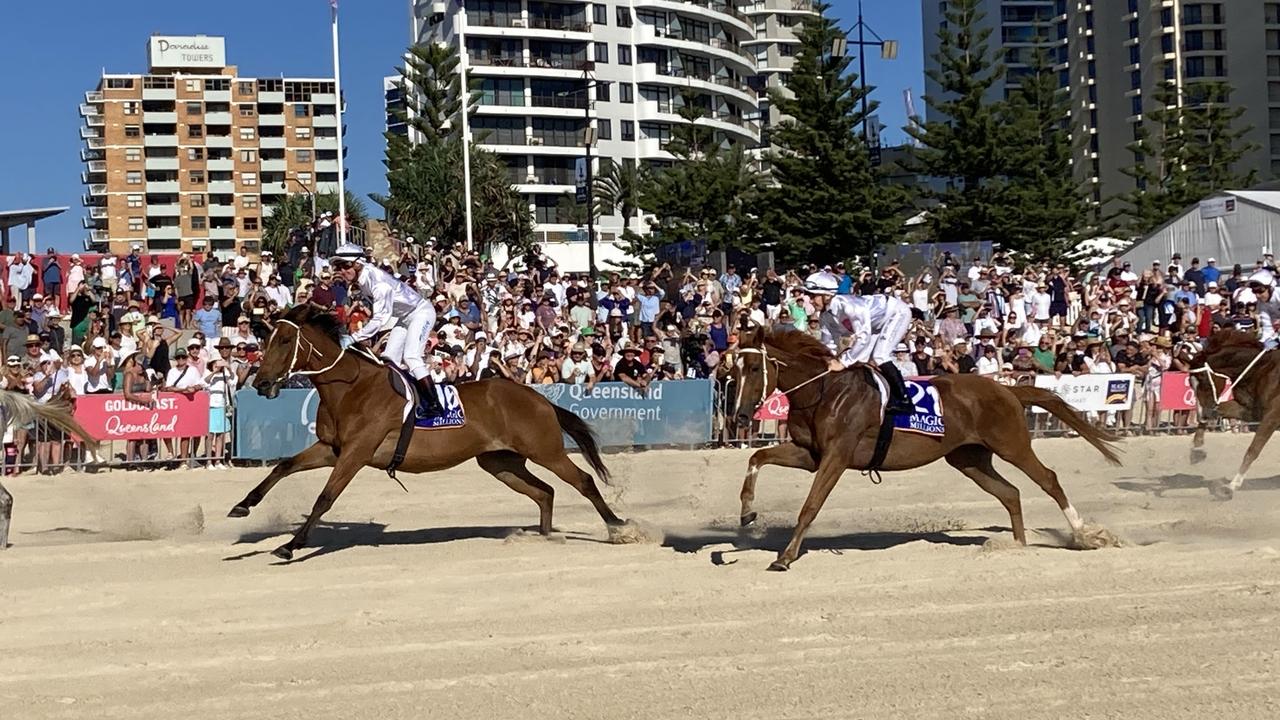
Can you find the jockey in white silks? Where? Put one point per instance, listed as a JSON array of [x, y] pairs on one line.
[[392, 301], [876, 324]]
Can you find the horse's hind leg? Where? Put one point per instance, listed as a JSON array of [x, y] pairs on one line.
[[568, 471], [317, 456], [784, 455], [510, 468], [1026, 461], [975, 462]]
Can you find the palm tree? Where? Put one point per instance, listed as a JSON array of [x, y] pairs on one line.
[[617, 190], [294, 211]]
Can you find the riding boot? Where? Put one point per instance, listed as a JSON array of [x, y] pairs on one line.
[[899, 402], [430, 401]]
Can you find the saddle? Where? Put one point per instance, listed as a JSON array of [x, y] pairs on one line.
[[926, 420], [415, 415]]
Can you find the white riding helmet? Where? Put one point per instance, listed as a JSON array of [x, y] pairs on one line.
[[1263, 277], [349, 251], [822, 283]]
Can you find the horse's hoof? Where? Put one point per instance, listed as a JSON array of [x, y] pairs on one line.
[[1198, 456], [748, 518], [239, 511], [777, 566], [283, 552], [1221, 491]]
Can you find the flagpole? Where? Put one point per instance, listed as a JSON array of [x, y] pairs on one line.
[[466, 123], [337, 89]]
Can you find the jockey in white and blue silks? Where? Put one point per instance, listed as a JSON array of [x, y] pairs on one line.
[[392, 301], [875, 324]]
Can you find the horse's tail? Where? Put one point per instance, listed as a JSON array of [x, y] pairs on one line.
[[582, 434], [22, 409], [1047, 400]]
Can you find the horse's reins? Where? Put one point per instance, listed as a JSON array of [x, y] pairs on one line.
[[311, 350], [1210, 373], [765, 360]]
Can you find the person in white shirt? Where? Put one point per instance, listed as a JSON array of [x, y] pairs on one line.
[[1211, 296], [220, 381], [396, 303], [989, 363], [241, 260], [20, 275], [184, 379], [107, 271], [876, 324], [266, 266], [1039, 303], [576, 369], [277, 293], [902, 360]]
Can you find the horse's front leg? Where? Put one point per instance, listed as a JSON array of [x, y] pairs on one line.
[[317, 456], [346, 467], [1270, 422], [785, 455]]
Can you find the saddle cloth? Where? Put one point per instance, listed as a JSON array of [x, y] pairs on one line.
[[927, 418], [454, 415]]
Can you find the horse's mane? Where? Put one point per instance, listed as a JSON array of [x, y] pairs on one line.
[[798, 344], [312, 315], [1230, 339]]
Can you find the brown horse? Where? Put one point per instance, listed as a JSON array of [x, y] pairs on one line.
[[359, 419], [1254, 373], [982, 418]]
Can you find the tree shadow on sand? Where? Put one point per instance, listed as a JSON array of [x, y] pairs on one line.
[[329, 537], [1162, 484]]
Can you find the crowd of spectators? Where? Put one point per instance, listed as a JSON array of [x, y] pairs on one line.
[[122, 325]]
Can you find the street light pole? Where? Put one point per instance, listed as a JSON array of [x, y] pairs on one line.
[[888, 51], [310, 194], [588, 139]]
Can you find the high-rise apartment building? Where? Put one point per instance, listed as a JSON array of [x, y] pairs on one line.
[[1113, 57], [191, 156], [549, 70]]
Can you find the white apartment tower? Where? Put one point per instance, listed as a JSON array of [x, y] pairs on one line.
[[548, 69]]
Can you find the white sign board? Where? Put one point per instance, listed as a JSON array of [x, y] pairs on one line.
[[187, 51], [1217, 207], [1091, 393]]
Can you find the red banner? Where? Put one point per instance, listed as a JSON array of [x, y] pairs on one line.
[[774, 407], [1176, 392], [112, 417]]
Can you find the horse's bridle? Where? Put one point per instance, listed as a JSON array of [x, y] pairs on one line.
[[1210, 373], [765, 361], [311, 351]]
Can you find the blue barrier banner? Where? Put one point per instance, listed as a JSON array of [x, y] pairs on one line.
[[274, 429], [676, 412]]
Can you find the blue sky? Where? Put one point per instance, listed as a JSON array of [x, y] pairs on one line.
[[54, 51]]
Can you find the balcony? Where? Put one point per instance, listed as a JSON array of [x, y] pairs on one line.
[[575, 101], [539, 22], [96, 143], [324, 98], [497, 61], [217, 118], [163, 187], [86, 110], [326, 143], [160, 141], [95, 121], [164, 209], [271, 143], [221, 187], [218, 141], [277, 165], [167, 232], [325, 121], [159, 93], [495, 20], [87, 155], [97, 166], [222, 211], [98, 213], [271, 120], [88, 132], [222, 233], [98, 236], [98, 189], [93, 96], [551, 176], [161, 163], [270, 97], [217, 95], [577, 63], [160, 117], [220, 165], [90, 223]]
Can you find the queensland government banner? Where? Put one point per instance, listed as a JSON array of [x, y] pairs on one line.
[[670, 413], [1091, 393], [676, 412]]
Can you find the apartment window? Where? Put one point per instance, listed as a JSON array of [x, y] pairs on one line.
[[303, 156], [628, 130], [133, 201], [197, 177], [1135, 54], [1135, 79], [624, 17], [195, 153], [244, 87], [1273, 39], [193, 86], [786, 49], [248, 178], [1273, 92], [248, 156], [246, 110], [626, 92], [119, 83], [130, 107], [1273, 65], [195, 131], [247, 133], [194, 108], [785, 21], [251, 223], [624, 54], [1135, 106], [199, 222], [1275, 144], [249, 201], [602, 90], [132, 154], [133, 177], [302, 133], [599, 14], [304, 178], [137, 224], [196, 200], [300, 110], [1273, 13], [602, 52], [132, 131], [604, 129]]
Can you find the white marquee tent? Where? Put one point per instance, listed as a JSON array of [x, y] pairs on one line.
[[1236, 226]]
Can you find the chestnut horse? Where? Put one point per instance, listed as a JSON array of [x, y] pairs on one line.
[[359, 419], [982, 419], [1254, 373]]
